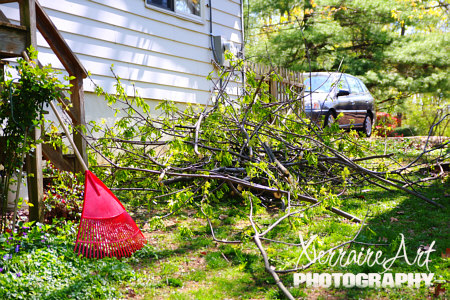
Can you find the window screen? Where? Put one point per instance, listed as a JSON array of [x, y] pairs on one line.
[[188, 6]]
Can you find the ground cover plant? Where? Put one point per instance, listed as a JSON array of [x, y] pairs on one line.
[[38, 262]]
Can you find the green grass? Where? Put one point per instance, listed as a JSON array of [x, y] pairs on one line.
[[236, 272], [181, 261], [392, 214]]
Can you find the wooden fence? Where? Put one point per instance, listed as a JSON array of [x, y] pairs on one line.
[[284, 85]]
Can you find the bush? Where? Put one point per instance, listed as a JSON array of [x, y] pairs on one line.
[[404, 131], [22, 104], [422, 111], [63, 197]]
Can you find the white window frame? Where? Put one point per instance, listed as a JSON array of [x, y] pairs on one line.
[[181, 15]]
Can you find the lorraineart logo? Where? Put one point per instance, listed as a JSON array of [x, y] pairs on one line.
[[362, 280], [364, 256]]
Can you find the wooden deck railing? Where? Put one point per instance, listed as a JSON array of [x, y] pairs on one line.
[[14, 39]]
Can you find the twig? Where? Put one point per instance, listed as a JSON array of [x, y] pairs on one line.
[[269, 268]]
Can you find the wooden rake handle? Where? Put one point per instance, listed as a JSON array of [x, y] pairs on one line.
[[66, 131]]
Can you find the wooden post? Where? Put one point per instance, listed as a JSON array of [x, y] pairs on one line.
[[273, 88], [77, 99], [34, 159], [28, 19], [302, 80], [2, 70], [35, 179]]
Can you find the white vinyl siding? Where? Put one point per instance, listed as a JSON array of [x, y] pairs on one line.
[[166, 55]]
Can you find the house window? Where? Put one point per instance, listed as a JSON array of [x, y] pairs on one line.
[[168, 4], [189, 7]]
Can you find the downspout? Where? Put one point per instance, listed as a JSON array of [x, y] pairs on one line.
[[243, 45], [212, 42], [210, 32], [242, 29]]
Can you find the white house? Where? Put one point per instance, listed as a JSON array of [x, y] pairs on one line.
[[163, 47]]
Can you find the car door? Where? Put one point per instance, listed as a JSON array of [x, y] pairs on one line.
[[359, 105], [366, 100], [344, 104]]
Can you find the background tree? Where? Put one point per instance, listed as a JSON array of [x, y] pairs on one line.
[[398, 47]]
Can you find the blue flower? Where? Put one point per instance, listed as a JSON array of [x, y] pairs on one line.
[[18, 274], [1, 270], [17, 248], [7, 256]]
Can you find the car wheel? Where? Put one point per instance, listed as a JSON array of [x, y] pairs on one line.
[[329, 118], [367, 126]]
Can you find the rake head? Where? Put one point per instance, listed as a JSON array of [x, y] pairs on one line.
[[106, 229]]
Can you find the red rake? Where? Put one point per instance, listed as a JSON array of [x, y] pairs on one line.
[[106, 229]]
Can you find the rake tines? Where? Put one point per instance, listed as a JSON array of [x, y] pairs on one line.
[[106, 229]]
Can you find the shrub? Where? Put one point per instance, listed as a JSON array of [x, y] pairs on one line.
[[22, 102], [404, 131], [63, 197]]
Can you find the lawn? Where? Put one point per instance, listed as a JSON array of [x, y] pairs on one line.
[[182, 261], [187, 267]]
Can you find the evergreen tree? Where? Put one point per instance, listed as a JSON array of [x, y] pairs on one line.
[[398, 47]]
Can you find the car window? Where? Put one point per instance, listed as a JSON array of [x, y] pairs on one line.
[[365, 89], [355, 88], [321, 83], [343, 84]]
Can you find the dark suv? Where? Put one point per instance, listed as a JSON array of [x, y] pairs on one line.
[[333, 94]]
